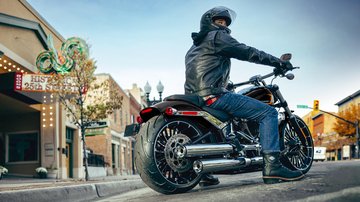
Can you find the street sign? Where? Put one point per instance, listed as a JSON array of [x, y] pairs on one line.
[[302, 106]]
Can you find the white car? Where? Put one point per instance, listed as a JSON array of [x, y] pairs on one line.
[[319, 153]]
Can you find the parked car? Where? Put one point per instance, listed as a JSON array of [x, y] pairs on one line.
[[319, 153]]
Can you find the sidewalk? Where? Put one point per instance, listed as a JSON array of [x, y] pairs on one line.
[[31, 189]]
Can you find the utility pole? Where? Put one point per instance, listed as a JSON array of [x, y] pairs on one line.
[[357, 139]]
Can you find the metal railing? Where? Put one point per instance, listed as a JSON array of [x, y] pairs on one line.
[[96, 160]]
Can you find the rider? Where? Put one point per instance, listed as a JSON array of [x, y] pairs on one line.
[[207, 75]]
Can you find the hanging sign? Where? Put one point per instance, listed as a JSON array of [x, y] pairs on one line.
[[40, 83]]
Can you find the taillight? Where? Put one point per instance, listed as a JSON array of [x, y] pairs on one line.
[[170, 111], [189, 113], [148, 110]]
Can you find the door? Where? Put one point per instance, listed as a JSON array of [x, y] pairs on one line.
[[68, 159], [69, 151]]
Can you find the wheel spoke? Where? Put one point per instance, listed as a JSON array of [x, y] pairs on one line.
[[299, 147], [172, 135]]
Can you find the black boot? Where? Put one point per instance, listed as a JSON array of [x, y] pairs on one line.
[[274, 171], [208, 180]]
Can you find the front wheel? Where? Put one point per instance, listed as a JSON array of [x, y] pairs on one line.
[[297, 149], [156, 159]]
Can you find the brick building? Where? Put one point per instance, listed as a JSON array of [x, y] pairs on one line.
[[109, 139], [345, 105]]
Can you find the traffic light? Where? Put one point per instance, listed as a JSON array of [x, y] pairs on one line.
[[316, 105]]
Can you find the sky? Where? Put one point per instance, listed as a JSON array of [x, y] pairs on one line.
[[136, 41]]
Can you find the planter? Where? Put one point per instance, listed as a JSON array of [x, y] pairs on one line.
[[52, 174]]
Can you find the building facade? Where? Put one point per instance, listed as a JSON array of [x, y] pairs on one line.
[[345, 105], [325, 136], [137, 103], [110, 141], [321, 126], [34, 130]]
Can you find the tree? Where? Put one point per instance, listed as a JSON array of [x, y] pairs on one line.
[[346, 129], [85, 100]]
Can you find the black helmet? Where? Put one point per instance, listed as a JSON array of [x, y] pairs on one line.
[[222, 12], [219, 12], [207, 22]]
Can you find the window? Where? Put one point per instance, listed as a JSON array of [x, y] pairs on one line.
[[132, 118], [69, 134], [115, 113], [121, 117], [22, 147]]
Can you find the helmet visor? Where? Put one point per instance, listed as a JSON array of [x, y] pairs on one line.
[[225, 13]]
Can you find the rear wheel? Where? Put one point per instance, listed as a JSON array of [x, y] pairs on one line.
[[298, 149], [156, 159]]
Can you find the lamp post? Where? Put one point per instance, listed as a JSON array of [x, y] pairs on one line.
[[147, 89], [357, 139]]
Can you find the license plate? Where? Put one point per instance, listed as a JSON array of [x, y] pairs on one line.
[[131, 130]]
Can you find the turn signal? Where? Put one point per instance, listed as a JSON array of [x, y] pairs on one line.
[[170, 111], [139, 120]]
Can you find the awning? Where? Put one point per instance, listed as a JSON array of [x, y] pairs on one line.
[[8, 83]]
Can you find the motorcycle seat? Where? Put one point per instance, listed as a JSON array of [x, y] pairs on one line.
[[193, 99], [198, 101]]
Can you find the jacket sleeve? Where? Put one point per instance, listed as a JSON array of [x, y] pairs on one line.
[[227, 46]]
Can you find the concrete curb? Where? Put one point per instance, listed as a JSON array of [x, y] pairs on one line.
[[83, 192], [112, 188]]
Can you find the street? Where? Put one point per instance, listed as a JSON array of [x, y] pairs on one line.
[[326, 181]]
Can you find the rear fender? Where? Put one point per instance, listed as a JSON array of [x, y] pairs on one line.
[[157, 109], [181, 108]]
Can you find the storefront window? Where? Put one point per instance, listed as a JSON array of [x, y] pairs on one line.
[[23, 147]]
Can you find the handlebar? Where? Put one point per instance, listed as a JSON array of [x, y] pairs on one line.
[[259, 78]]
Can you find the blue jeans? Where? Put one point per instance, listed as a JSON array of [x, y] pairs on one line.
[[242, 106]]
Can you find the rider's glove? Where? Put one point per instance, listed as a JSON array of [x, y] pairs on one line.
[[283, 67], [230, 86]]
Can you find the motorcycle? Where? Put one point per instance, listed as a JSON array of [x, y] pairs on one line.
[[181, 139]]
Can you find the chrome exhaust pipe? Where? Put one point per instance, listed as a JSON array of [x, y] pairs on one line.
[[256, 161], [214, 165], [203, 150], [255, 147]]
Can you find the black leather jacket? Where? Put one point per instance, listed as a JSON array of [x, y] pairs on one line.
[[208, 62]]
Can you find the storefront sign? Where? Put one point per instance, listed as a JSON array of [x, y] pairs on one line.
[[40, 83], [97, 124], [49, 149]]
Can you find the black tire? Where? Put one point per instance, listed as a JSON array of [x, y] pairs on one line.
[[152, 159], [298, 149]]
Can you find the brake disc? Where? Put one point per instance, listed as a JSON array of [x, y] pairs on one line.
[[171, 148]]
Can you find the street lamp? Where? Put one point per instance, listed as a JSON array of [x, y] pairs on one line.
[[147, 89], [160, 89]]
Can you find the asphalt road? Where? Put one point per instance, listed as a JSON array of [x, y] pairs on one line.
[[326, 181]]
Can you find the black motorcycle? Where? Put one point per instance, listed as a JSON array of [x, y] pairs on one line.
[[180, 139]]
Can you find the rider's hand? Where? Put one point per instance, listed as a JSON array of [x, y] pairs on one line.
[[230, 86]]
